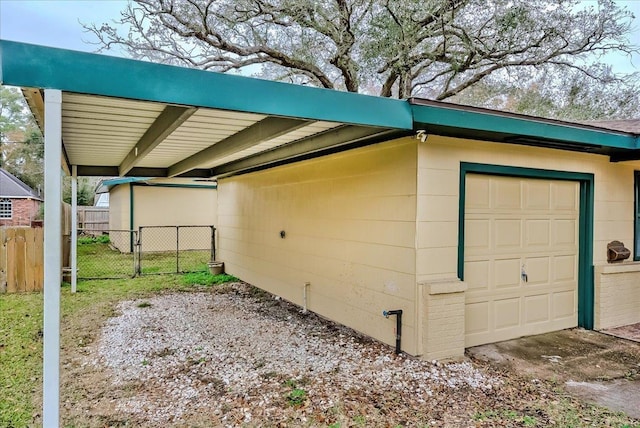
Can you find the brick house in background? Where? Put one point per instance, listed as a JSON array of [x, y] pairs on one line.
[[19, 204]]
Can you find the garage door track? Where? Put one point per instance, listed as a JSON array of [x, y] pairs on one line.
[[595, 367]]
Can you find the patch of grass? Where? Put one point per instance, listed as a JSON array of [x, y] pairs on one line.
[[97, 258], [529, 421], [483, 416], [20, 357], [506, 415], [567, 412], [21, 320], [291, 383], [205, 278], [102, 239], [144, 305], [297, 397], [360, 420], [166, 262], [100, 260]]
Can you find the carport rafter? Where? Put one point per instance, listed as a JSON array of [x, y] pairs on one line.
[[316, 145], [264, 130], [168, 121]]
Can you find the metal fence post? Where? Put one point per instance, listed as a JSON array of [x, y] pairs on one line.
[[213, 243], [136, 256], [177, 249], [140, 250]]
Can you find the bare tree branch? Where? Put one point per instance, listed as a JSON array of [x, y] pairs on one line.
[[432, 48]]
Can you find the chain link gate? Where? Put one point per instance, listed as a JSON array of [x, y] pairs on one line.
[[175, 249]]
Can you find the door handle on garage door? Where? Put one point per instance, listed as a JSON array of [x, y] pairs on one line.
[[523, 275]]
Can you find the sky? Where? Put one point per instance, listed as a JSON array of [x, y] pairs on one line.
[[56, 23]]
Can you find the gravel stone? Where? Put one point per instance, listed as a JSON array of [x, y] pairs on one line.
[[236, 356]]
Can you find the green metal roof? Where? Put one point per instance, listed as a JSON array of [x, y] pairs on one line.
[[45, 67], [458, 120]]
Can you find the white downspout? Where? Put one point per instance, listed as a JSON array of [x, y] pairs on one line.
[[304, 297], [74, 228], [52, 256]]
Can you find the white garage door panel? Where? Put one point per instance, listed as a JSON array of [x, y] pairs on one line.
[[515, 226]]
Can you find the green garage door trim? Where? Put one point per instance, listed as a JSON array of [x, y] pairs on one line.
[[585, 256]]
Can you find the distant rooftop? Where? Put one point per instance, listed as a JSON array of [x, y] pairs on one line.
[[629, 125], [12, 187]]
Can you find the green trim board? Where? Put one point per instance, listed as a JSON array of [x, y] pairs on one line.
[[585, 253], [29, 65], [144, 181], [636, 216], [174, 185], [515, 128], [123, 180]]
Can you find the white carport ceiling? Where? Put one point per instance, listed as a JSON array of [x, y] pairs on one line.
[[118, 136]]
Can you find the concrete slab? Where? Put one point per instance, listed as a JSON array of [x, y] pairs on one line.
[[595, 367], [629, 332]]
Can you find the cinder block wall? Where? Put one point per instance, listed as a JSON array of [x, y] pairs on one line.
[[349, 225], [368, 227], [443, 319], [617, 295]]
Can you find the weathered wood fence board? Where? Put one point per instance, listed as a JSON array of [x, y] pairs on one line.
[[93, 220], [21, 259]]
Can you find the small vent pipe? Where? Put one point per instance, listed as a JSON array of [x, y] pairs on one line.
[[398, 314]]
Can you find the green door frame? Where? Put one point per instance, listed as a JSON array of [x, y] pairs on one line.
[[585, 240]]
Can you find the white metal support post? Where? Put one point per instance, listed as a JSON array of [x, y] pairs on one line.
[[52, 256], [74, 227]]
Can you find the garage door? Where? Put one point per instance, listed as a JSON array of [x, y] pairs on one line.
[[520, 257]]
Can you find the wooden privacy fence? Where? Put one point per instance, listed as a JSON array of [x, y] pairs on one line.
[[21, 259], [93, 220]]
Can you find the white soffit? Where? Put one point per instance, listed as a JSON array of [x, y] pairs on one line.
[[203, 129], [100, 130], [303, 132]]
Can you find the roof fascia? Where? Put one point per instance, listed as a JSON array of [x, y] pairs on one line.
[[426, 116], [44, 67], [35, 101]]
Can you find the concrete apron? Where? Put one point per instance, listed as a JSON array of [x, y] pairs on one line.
[[594, 367], [630, 332]]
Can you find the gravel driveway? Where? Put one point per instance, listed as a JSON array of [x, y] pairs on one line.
[[239, 357]]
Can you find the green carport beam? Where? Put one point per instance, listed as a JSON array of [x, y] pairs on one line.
[[264, 130], [167, 122], [342, 136]]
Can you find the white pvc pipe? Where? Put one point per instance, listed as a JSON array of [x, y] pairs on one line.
[[74, 228], [52, 256], [304, 297]]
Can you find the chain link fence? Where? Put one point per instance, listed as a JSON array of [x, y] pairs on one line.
[[169, 249], [148, 250], [109, 255]]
